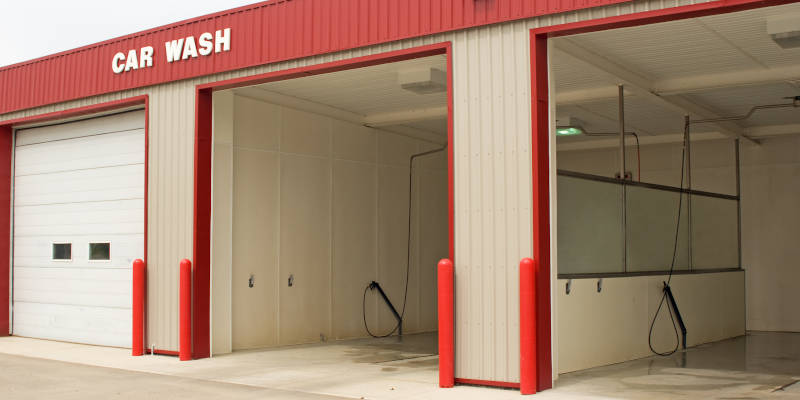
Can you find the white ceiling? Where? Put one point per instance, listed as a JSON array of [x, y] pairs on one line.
[[712, 66], [364, 94]]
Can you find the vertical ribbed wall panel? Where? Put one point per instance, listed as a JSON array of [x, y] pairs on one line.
[[491, 68], [493, 196], [169, 205]]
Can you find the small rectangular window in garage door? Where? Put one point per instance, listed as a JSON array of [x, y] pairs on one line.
[[100, 251], [62, 251]]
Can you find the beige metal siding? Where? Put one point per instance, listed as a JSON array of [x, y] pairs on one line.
[[493, 196], [492, 176]]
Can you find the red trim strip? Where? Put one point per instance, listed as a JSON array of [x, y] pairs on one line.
[[80, 111], [479, 382], [201, 252], [6, 160], [451, 194], [162, 352], [202, 171], [146, 207], [334, 66], [540, 153]]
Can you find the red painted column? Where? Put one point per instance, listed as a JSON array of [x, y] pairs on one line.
[[446, 339], [185, 310], [201, 339], [137, 340], [527, 326], [6, 148], [540, 151]]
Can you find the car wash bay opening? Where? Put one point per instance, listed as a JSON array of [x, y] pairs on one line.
[[676, 154], [329, 190]]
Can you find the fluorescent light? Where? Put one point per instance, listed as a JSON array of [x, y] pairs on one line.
[[569, 131]]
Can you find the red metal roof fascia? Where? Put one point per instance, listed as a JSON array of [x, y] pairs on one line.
[[147, 32], [262, 33]]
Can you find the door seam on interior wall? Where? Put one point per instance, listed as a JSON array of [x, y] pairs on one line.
[[377, 175], [331, 241], [277, 282], [230, 224], [416, 231]]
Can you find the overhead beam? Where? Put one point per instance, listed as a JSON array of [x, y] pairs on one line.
[[640, 85], [582, 96], [417, 133], [405, 116], [749, 77], [391, 122], [593, 144], [773, 130], [299, 104], [688, 84]]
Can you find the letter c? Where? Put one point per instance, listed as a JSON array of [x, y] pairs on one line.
[[115, 63]]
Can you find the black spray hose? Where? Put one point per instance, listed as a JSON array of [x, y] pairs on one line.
[[672, 264], [408, 249]]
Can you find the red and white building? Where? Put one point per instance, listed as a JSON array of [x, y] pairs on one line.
[[270, 144]]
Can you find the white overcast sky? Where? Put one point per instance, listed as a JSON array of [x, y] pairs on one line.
[[36, 28]]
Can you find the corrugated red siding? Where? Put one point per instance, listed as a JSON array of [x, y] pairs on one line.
[[261, 33]]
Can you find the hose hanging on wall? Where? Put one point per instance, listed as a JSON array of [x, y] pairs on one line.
[[672, 264], [374, 284], [667, 292]]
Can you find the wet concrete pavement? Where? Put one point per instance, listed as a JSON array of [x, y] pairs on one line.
[[756, 366], [759, 365]]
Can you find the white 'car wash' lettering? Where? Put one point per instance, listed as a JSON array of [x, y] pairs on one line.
[[176, 50], [122, 63]]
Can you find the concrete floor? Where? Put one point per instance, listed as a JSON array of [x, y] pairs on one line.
[[26, 378], [365, 368], [760, 365]]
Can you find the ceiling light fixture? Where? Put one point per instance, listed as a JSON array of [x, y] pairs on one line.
[[569, 130], [567, 125], [785, 30], [423, 81]]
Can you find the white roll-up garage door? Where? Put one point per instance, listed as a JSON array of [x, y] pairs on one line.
[[78, 225]]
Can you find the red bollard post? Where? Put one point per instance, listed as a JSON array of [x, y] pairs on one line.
[[185, 340], [446, 340], [139, 290], [527, 326]]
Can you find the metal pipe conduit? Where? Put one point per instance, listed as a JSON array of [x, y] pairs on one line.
[[600, 178]]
